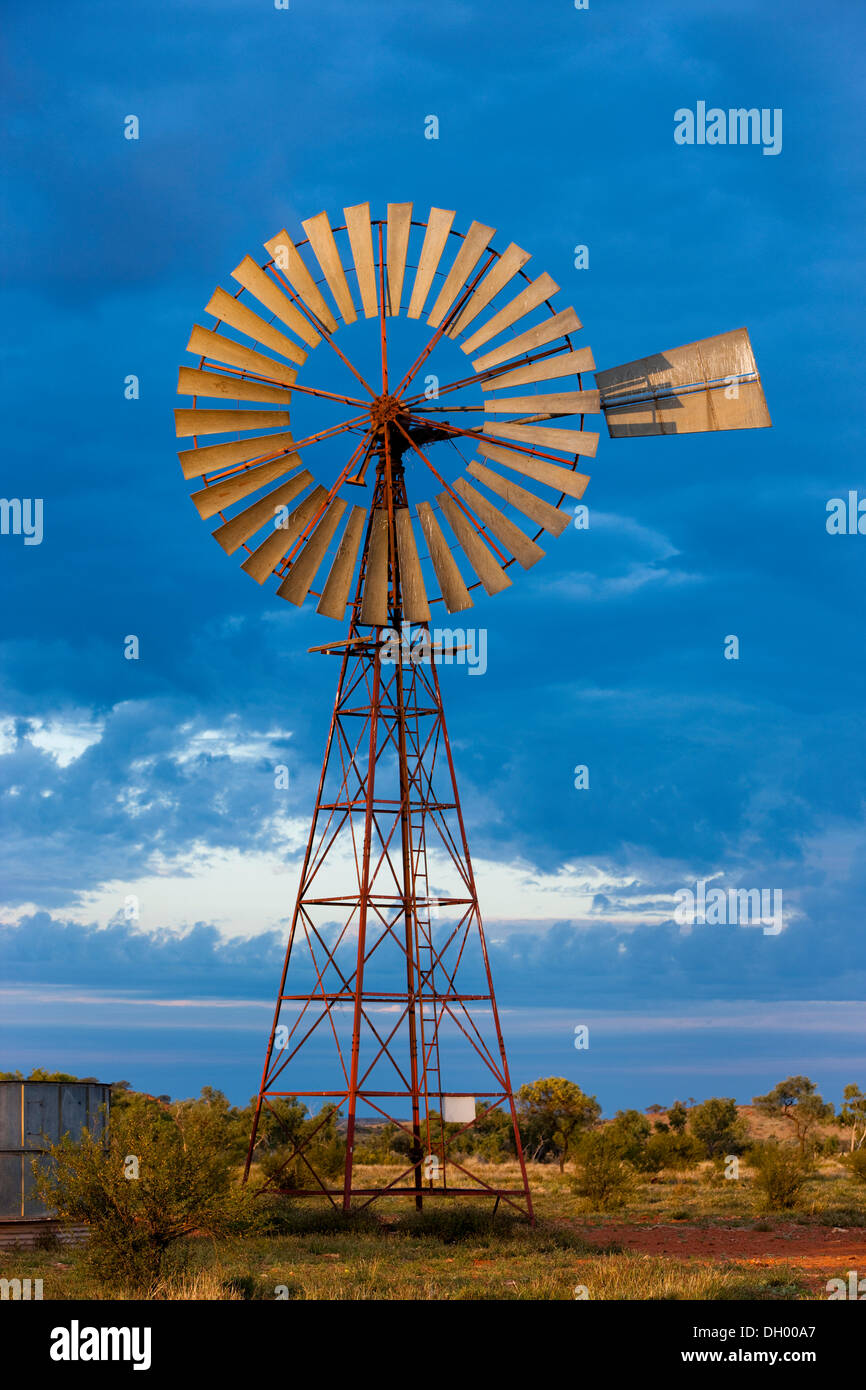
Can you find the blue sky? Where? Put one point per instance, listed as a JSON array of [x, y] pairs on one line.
[[155, 777]]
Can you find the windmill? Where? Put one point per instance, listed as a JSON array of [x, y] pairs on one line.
[[412, 504]]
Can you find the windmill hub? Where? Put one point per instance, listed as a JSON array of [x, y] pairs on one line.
[[383, 410]]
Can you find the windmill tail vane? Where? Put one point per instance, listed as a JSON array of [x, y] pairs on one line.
[[386, 1013]]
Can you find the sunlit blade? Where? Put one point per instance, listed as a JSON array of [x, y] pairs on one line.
[[551, 474], [548, 437], [399, 225], [415, 606], [360, 233], [217, 347], [473, 244], [550, 518], [263, 288], [222, 494], [555, 327], [272, 549], [212, 457], [230, 310], [455, 594], [435, 237], [321, 239], [287, 258], [296, 584], [196, 422], [233, 533], [525, 551], [374, 601], [548, 369], [535, 293], [512, 260], [335, 594], [561, 403], [482, 560], [192, 381]]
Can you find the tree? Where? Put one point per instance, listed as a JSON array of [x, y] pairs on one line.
[[629, 1131], [797, 1101], [605, 1179], [717, 1127], [677, 1117], [853, 1115], [554, 1111]]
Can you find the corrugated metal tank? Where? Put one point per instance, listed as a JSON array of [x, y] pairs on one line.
[[33, 1113]]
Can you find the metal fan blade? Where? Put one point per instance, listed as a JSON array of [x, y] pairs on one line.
[[536, 292], [189, 423], [230, 310], [712, 384], [550, 518], [374, 601], [548, 369], [567, 441], [525, 551], [233, 533], [263, 288], [512, 260], [222, 494], [335, 594], [296, 584], [561, 403], [482, 560], [192, 381], [566, 321], [360, 232], [287, 258], [560, 479], [415, 606], [399, 225], [321, 239], [455, 594], [212, 457], [438, 227], [473, 244], [205, 343], [272, 549]]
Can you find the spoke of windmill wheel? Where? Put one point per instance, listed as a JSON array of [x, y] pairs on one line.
[[479, 437], [364, 443], [443, 327], [455, 497], [241, 376], [483, 378], [383, 332], [296, 298]]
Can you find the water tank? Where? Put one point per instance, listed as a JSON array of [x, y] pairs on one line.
[[33, 1114]]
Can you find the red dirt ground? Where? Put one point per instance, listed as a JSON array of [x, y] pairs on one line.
[[819, 1251]]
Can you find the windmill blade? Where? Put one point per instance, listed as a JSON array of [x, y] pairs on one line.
[[455, 594], [263, 288], [229, 310], [192, 381], [222, 494], [525, 551], [562, 403], [438, 227], [191, 423], [374, 601], [272, 549], [550, 518], [196, 462], [335, 594], [399, 224], [360, 230], [321, 239], [536, 292], [712, 384], [548, 369], [566, 321], [482, 560], [560, 479], [568, 441], [233, 533], [287, 258], [512, 260], [296, 584], [415, 606], [476, 240], [205, 343]]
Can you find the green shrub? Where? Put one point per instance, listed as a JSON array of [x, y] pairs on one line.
[[780, 1173], [856, 1161], [604, 1178]]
